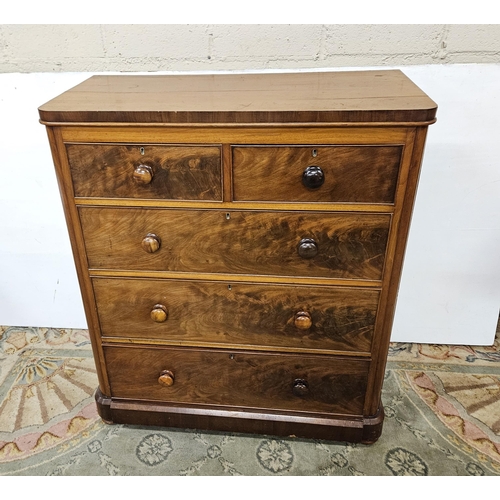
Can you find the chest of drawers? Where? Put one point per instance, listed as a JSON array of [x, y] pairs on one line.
[[239, 241]]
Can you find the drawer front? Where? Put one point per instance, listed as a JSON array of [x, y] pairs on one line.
[[308, 244], [274, 316], [149, 172], [337, 174], [238, 379]]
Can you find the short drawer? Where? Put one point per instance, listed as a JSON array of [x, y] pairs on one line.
[[336, 174], [238, 379], [244, 314], [306, 244], [147, 172]]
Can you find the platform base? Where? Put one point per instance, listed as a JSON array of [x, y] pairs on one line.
[[354, 430]]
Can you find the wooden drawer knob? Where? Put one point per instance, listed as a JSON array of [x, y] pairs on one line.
[[300, 387], [303, 320], [313, 177], [151, 243], [307, 248], [143, 175], [166, 378], [159, 313]]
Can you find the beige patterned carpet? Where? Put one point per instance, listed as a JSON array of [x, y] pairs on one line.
[[442, 407]]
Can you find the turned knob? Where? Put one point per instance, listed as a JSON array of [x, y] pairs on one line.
[[313, 177], [300, 387], [151, 243], [159, 313], [143, 174], [303, 320], [166, 378], [307, 248]]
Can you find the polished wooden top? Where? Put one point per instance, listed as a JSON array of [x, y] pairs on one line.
[[385, 96]]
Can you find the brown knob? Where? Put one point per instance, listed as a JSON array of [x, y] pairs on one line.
[[159, 313], [307, 248], [166, 378], [300, 387], [303, 320], [143, 175], [151, 243], [313, 177]]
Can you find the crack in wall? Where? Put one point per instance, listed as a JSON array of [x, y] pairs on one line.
[[252, 47]]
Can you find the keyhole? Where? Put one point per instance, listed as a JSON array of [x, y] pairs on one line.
[[314, 153], [141, 150], [229, 287], [228, 216]]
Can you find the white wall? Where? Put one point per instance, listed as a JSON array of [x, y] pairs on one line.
[[450, 290], [37, 277]]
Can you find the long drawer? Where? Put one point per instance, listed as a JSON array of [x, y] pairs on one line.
[[306, 244], [245, 314], [298, 174], [318, 384]]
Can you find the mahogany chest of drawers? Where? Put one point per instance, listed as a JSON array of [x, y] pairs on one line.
[[239, 241]]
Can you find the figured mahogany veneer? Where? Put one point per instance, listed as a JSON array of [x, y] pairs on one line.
[[239, 379], [363, 174], [158, 172], [245, 314], [239, 241]]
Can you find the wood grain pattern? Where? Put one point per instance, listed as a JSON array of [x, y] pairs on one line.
[[350, 245], [238, 379], [360, 96], [402, 219], [292, 134], [201, 310], [78, 249], [340, 428], [239, 313], [179, 172], [246, 278], [359, 174]]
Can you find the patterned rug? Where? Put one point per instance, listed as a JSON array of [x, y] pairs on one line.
[[442, 407]]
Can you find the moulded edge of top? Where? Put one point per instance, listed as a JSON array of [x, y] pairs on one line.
[[385, 96]]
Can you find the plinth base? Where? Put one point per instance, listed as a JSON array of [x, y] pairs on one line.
[[355, 430]]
